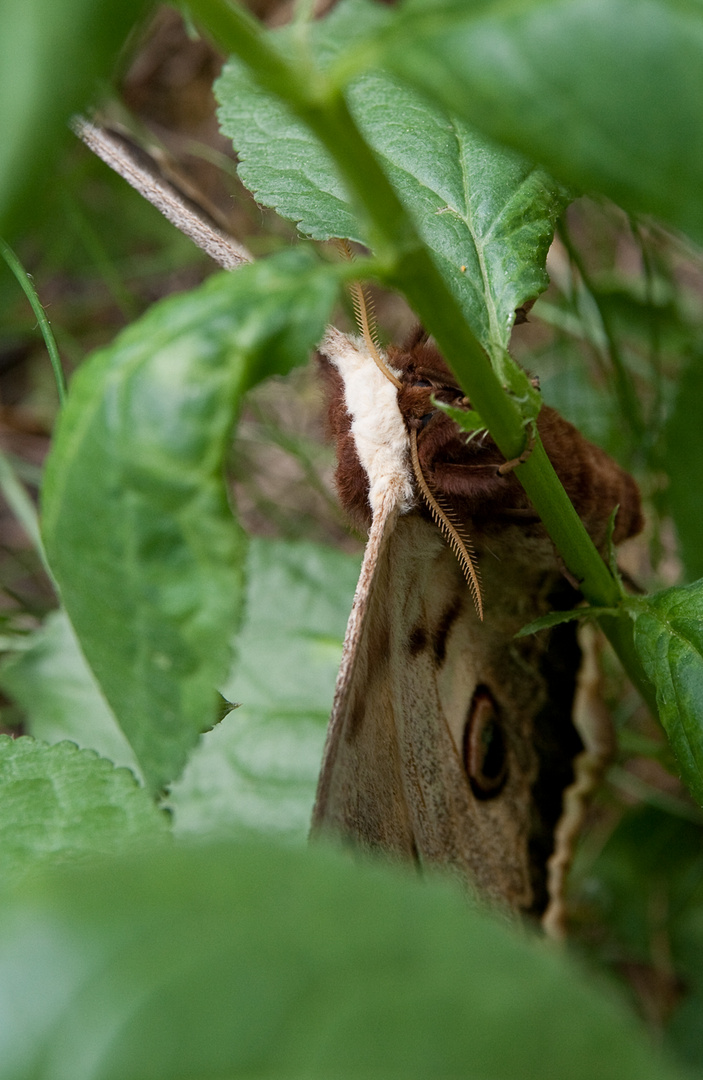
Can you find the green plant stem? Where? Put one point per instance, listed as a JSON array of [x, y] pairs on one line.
[[31, 293], [409, 267]]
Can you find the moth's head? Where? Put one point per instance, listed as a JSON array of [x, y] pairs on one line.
[[456, 466], [427, 380], [425, 376]]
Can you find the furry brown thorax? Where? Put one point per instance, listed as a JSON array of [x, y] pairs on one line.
[[465, 471]]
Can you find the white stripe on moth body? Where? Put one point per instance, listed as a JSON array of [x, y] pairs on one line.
[[380, 434]]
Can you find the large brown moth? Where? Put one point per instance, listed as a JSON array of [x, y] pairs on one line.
[[450, 742]]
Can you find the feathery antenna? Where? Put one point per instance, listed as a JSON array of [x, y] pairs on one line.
[[366, 319], [453, 531]]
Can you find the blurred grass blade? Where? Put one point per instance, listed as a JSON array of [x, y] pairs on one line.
[[22, 506], [51, 58], [31, 293]]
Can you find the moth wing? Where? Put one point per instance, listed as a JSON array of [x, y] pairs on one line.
[[361, 793], [446, 742], [416, 660]]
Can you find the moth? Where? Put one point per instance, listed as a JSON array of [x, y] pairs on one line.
[[450, 742]]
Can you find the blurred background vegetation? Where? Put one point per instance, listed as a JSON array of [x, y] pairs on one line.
[[616, 343]]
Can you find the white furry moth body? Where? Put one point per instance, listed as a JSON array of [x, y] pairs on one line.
[[450, 742]]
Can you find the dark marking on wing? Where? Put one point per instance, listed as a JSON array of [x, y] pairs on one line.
[[379, 640], [439, 639], [357, 711], [485, 753], [417, 640], [378, 649]]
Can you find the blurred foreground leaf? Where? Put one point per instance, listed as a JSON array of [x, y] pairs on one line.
[[258, 961], [604, 93]]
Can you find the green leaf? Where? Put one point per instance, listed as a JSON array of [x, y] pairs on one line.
[[50, 57], [669, 641], [556, 618], [261, 961], [258, 769], [50, 679], [604, 93], [280, 160], [569, 388], [684, 462], [467, 419], [485, 212], [137, 528], [59, 802]]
